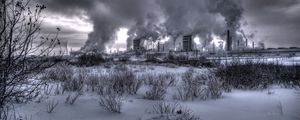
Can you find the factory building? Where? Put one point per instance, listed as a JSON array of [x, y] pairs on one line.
[[137, 45], [187, 43], [229, 42]]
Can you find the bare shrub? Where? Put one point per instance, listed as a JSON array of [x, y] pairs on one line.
[[170, 78], [172, 111], [76, 83], [117, 82], [158, 84], [51, 105], [111, 102], [123, 82], [104, 84], [93, 81], [202, 86], [68, 98], [157, 90], [102, 89], [47, 89], [191, 86], [58, 89], [9, 113], [4, 113], [73, 84], [60, 72], [72, 98], [256, 75], [148, 79], [214, 86], [82, 74]]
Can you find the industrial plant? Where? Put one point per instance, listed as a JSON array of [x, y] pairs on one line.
[[233, 49]]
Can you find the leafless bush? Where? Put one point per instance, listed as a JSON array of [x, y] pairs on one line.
[[93, 81], [4, 113], [123, 82], [8, 113], [256, 75], [111, 102], [214, 86], [202, 86], [102, 89], [191, 86], [103, 84], [170, 78], [76, 83], [117, 82], [172, 111], [48, 89], [151, 79], [148, 79], [157, 90], [82, 74], [73, 84], [60, 72], [51, 105], [71, 98], [58, 89]]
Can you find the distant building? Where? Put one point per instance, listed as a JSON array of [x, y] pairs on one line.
[[137, 45], [187, 43], [229, 42]]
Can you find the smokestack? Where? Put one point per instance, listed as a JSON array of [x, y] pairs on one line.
[[158, 47], [229, 41], [238, 45]]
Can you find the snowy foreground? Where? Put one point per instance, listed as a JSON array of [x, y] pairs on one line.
[[273, 104]]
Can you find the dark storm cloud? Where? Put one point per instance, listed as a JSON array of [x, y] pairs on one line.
[[276, 21]]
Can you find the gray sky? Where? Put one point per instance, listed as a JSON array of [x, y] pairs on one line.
[[276, 21], [97, 23]]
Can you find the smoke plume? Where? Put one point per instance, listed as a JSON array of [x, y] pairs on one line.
[[152, 19]]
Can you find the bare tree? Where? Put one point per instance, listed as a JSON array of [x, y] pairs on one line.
[[22, 49]]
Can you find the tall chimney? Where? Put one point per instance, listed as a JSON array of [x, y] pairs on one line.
[[229, 41]]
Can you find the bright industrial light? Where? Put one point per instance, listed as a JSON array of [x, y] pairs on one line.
[[122, 36]]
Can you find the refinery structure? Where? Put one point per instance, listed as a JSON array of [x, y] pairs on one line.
[[232, 48], [185, 50]]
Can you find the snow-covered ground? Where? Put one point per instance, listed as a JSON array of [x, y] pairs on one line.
[[273, 104]]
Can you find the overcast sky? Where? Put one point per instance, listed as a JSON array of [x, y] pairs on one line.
[[97, 23]]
